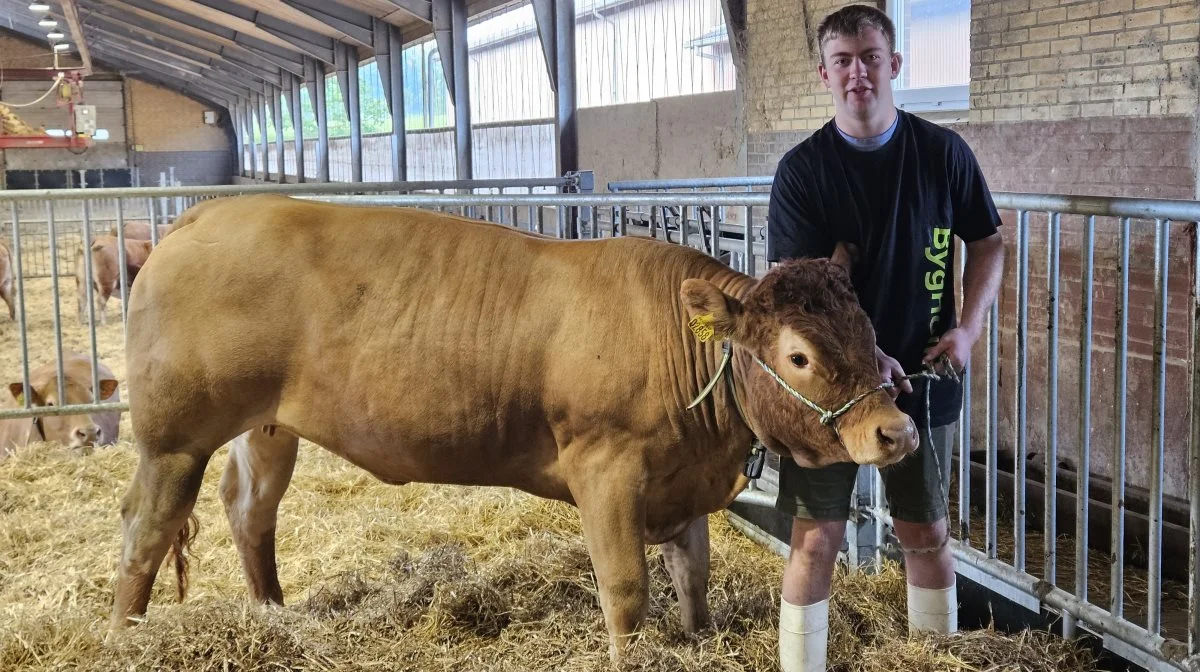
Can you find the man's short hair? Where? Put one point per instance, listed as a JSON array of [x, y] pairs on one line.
[[850, 21]]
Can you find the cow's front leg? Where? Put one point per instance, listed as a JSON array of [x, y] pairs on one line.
[[687, 562], [610, 507]]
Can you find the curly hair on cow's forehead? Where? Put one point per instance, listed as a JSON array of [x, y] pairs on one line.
[[809, 295]]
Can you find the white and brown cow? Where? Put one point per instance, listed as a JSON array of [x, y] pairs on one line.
[[106, 272], [80, 432], [426, 347]]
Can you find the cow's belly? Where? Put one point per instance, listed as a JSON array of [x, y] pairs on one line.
[[401, 452]]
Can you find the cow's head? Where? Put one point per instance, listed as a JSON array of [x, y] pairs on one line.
[[803, 321], [77, 432]]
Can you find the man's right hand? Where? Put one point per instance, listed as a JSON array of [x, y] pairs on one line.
[[890, 371]]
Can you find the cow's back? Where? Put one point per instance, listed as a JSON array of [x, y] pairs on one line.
[[418, 345]]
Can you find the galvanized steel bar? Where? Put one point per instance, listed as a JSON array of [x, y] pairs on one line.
[[58, 347], [1050, 471], [1084, 467], [993, 432], [87, 256], [964, 444], [69, 409], [1194, 455], [1022, 385], [1117, 550], [703, 183], [21, 322], [123, 267], [748, 240], [1162, 241], [715, 232], [623, 227]]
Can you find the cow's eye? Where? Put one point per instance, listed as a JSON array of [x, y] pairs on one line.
[[799, 361]]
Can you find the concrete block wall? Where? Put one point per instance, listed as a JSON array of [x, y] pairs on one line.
[[167, 129]]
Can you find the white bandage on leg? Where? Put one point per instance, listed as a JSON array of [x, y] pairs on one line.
[[803, 636], [933, 609]]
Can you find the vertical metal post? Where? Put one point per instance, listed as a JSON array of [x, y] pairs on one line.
[[277, 122], [462, 90], [1194, 455], [1162, 242], [714, 233], [1083, 474], [1022, 386], [318, 75], [298, 124], [262, 122], [1050, 475], [993, 431], [748, 241], [355, 109], [87, 257], [52, 230], [21, 323], [964, 446], [1117, 550], [396, 74], [565, 120], [122, 266]]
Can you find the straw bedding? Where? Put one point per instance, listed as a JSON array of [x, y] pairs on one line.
[[415, 577]]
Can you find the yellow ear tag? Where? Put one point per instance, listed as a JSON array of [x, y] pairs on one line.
[[702, 327]]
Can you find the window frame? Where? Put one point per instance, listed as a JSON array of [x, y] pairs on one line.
[[928, 99]]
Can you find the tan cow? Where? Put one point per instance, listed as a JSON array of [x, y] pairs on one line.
[[140, 230], [426, 347], [106, 272], [80, 432], [6, 281]]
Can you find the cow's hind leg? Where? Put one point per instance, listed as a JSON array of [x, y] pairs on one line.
[[613, 517], [259, 470], [686, 558], [154, 517]]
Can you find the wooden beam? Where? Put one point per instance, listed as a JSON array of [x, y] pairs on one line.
[[285, 12], [224, 20], [71, 14], [394, 11]]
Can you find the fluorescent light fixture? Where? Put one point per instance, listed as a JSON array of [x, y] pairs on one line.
[[62, 46], [54, 35], [48, 23], [39, 7]]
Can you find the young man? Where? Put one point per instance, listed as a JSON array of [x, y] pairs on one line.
[[898, 188]]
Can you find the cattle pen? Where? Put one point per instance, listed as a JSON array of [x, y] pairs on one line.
[[1081, 417]]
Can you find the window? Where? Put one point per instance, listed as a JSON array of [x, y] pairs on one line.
[[934, 37]]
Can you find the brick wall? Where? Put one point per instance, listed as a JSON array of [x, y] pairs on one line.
[[1047, 59], [164, 121]]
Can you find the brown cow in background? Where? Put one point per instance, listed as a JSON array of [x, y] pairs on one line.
[[140, 230], [80, 432], [106, 272]]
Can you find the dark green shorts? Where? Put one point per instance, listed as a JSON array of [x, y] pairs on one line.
[[911, 486]]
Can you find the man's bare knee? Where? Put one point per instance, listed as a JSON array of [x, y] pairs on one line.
[[818, 538]]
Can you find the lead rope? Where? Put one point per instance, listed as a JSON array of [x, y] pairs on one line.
[[931, 375]]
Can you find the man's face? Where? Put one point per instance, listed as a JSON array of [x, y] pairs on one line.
[[858, 71]]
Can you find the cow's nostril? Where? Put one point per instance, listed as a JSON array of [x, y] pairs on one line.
[[887, 438]]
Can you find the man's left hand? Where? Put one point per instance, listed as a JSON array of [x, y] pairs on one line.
[[956, 345]]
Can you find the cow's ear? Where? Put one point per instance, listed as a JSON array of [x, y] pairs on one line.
[[18, 393], [845, 255], [712, 314]]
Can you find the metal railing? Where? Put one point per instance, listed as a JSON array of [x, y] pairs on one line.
[[1144, 637]]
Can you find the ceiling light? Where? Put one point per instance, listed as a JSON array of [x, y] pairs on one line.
[[54, 35], [48, 23], [62, 46], [39, 7]]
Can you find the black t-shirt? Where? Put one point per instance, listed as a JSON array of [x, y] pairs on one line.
[[899, 204]]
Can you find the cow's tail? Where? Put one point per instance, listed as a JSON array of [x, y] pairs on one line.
[[180, 548]]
